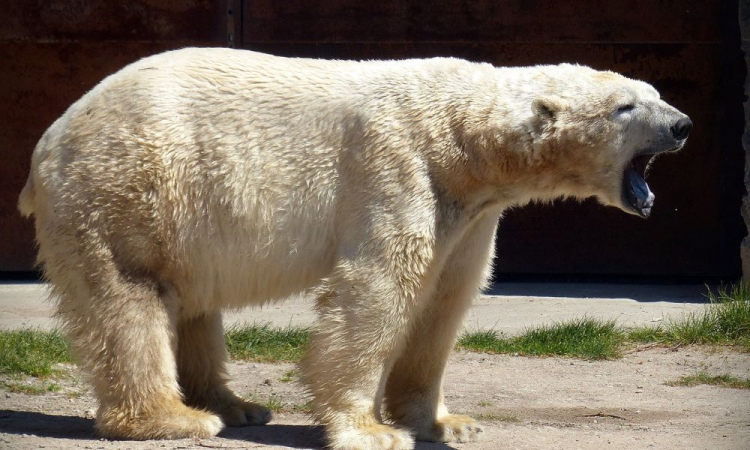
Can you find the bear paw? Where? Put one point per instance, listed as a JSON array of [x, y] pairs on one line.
[[175, 422], [452, 428], [240, 413], [374, 436]]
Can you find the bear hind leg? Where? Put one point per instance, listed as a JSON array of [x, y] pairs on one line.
[[123, 332], [201, 362]]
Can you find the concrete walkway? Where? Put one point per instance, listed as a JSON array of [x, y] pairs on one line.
[[510, 307]]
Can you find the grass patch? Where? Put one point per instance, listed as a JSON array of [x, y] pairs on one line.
[[725, 380], [277, 404], [646, 335], [32, 352], [495, 417], [264, 343], [724, 321], [34, 388], [582, 338], [273, 402], [289, 376], [302, 408]]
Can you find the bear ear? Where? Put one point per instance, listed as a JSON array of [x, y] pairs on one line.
[[546, 108]]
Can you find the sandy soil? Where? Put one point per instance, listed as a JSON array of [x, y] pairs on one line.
[[524, 403]]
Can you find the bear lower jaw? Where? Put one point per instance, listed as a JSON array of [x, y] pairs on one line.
[[636, 192]]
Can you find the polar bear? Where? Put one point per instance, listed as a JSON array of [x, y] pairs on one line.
[[201, 180]]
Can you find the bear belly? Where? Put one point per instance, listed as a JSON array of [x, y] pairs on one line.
[[241, 267]]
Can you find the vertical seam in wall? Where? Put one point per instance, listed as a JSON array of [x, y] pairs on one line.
[[744, 22]]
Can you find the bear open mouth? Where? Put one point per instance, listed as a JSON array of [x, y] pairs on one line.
[[636, 192]]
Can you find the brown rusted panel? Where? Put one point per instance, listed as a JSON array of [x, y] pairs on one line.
[[51, 52], [106, 20], [689, 76], [482, 21], [496, 53], [682, 47], [687, 233], [37, 83], [234, 23]]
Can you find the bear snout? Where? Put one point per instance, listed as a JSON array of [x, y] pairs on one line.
[[681, 129]]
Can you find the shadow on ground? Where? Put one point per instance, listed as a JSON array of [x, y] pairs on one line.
[[297, 436], [46, 425], [294, 436], [79, 428]]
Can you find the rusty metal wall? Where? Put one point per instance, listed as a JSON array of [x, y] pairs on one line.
[[51, 52]]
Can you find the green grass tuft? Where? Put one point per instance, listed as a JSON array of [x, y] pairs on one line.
[[32, 352], [264, 343], [495, 417], [302, 407], [289, 376], [728, 319], [273, 403], [485, 341], [33, 388], [646, 335], [725, 321], [725, 380], [582, 338]]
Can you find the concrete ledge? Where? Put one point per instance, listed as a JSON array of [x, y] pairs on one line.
[[511, 308]]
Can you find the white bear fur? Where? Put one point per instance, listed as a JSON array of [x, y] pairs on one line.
[[202, 180]]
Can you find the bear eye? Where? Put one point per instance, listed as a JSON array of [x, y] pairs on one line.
[[626, 108]]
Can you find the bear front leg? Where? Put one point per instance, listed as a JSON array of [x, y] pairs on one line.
[[201, 364], [414, 393], [363, 317]]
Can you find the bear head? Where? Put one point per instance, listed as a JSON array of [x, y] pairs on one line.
[[596, 134]]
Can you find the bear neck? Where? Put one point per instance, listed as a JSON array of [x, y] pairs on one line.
[[521, 156], [486, 148], [496, 154]]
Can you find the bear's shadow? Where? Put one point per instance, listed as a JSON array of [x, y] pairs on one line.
[[46, 425], [72, 427], [297, 436]]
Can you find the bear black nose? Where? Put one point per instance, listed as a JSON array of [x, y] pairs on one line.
[[681, 128]]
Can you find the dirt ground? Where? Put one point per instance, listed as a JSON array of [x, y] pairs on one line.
[[523, 403]]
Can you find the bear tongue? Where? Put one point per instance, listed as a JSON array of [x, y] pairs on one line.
[[638, 194]]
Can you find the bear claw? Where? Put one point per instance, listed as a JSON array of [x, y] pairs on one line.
[[454, 428], [244, 413]]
